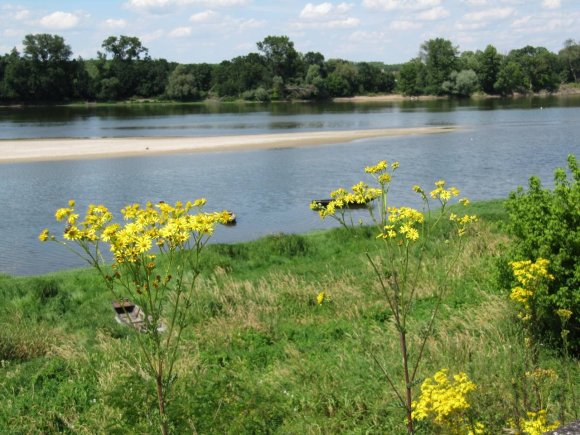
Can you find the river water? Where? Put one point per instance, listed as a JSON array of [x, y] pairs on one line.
[[499, 145]]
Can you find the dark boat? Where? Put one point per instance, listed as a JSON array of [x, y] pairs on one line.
[[322, 203]]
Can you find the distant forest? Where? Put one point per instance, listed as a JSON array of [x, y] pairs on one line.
[[46, 72]]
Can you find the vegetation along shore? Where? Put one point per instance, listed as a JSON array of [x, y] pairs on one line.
[[453, 318], [46, 72]]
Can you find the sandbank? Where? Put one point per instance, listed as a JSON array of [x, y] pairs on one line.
[[22, 150]]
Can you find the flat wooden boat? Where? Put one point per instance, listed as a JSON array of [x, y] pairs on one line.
[[129, 314]]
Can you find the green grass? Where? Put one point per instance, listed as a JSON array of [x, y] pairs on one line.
[[261, 355]]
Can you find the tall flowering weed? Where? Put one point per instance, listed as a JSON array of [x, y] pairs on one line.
[[161, 285], [402, 233]]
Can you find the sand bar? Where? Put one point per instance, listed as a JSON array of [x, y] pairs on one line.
[[22, 150]]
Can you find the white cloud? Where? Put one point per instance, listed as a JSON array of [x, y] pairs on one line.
[[389, 5], [521, 22], [202, 17], [324, 10], [111, 23], [60, 20], [470, 26], [489, 14], [343, 24], [405, 25], [169, 5], [475, 2], [363, 36], [148, 4], [312, 11], [436, 13], [180, 32], [250, 24], [551, 4], [148, 37], [21, 14]]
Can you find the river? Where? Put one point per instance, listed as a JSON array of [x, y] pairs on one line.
[[498, 146]]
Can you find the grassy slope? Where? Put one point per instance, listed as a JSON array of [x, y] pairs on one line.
[[262, 355]]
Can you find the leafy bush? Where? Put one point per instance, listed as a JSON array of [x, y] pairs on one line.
[[546, 224]]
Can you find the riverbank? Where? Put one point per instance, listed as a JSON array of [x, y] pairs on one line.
[[264, 352], [13, 151]]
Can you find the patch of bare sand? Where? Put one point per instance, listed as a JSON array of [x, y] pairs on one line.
[[12, 151]]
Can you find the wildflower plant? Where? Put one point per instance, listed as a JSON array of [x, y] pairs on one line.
[[156, 253], [444, 403], [402, 233]]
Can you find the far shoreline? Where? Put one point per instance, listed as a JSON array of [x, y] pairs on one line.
[[31, 150]]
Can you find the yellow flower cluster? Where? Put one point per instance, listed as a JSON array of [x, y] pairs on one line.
[[564, 314], [443, 401], [320, 298], [540, 374], [381, 168], [444, 195], [403, 220], [166, 226], [530, 275], [341, 198], [535, 424]]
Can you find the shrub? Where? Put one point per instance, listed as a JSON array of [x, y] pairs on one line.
[[546, 224]]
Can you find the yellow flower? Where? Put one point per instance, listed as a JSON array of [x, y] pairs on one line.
[[320, 298], [535, 424], [444, 400], [564, 314], [380, 166], [44, 235]]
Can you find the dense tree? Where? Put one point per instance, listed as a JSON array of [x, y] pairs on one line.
[[462, 83], [123, 75], [570, 60], [45, 48], [44, 71], [489, 63], [371, 78], [412, 78], [540, 67], [124, 48], [182, 85], [281, 57], [510, 78], [440, 58]]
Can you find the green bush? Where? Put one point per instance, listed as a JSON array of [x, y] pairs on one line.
[[546, 224]]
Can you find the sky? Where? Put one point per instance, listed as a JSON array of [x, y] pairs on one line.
[[390, 31]]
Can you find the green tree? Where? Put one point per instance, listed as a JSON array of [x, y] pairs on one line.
[[540, 67], [48, 69], [124, 48], [412, 78], [440, 59], [488, 69], [510, 79], [123, 66], [370, 78], [570, 60], [182, 85], [462, 84], [281, 57]]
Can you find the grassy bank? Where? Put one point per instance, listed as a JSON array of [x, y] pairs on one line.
[[263, 355]]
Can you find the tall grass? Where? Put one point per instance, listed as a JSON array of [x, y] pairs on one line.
[[263, 355]]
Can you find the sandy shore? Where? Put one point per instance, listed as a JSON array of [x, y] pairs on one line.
[[12, 151]]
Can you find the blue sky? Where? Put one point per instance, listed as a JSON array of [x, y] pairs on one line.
[[391, 31]]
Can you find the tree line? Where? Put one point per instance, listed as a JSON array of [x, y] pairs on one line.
[[46, 72]]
